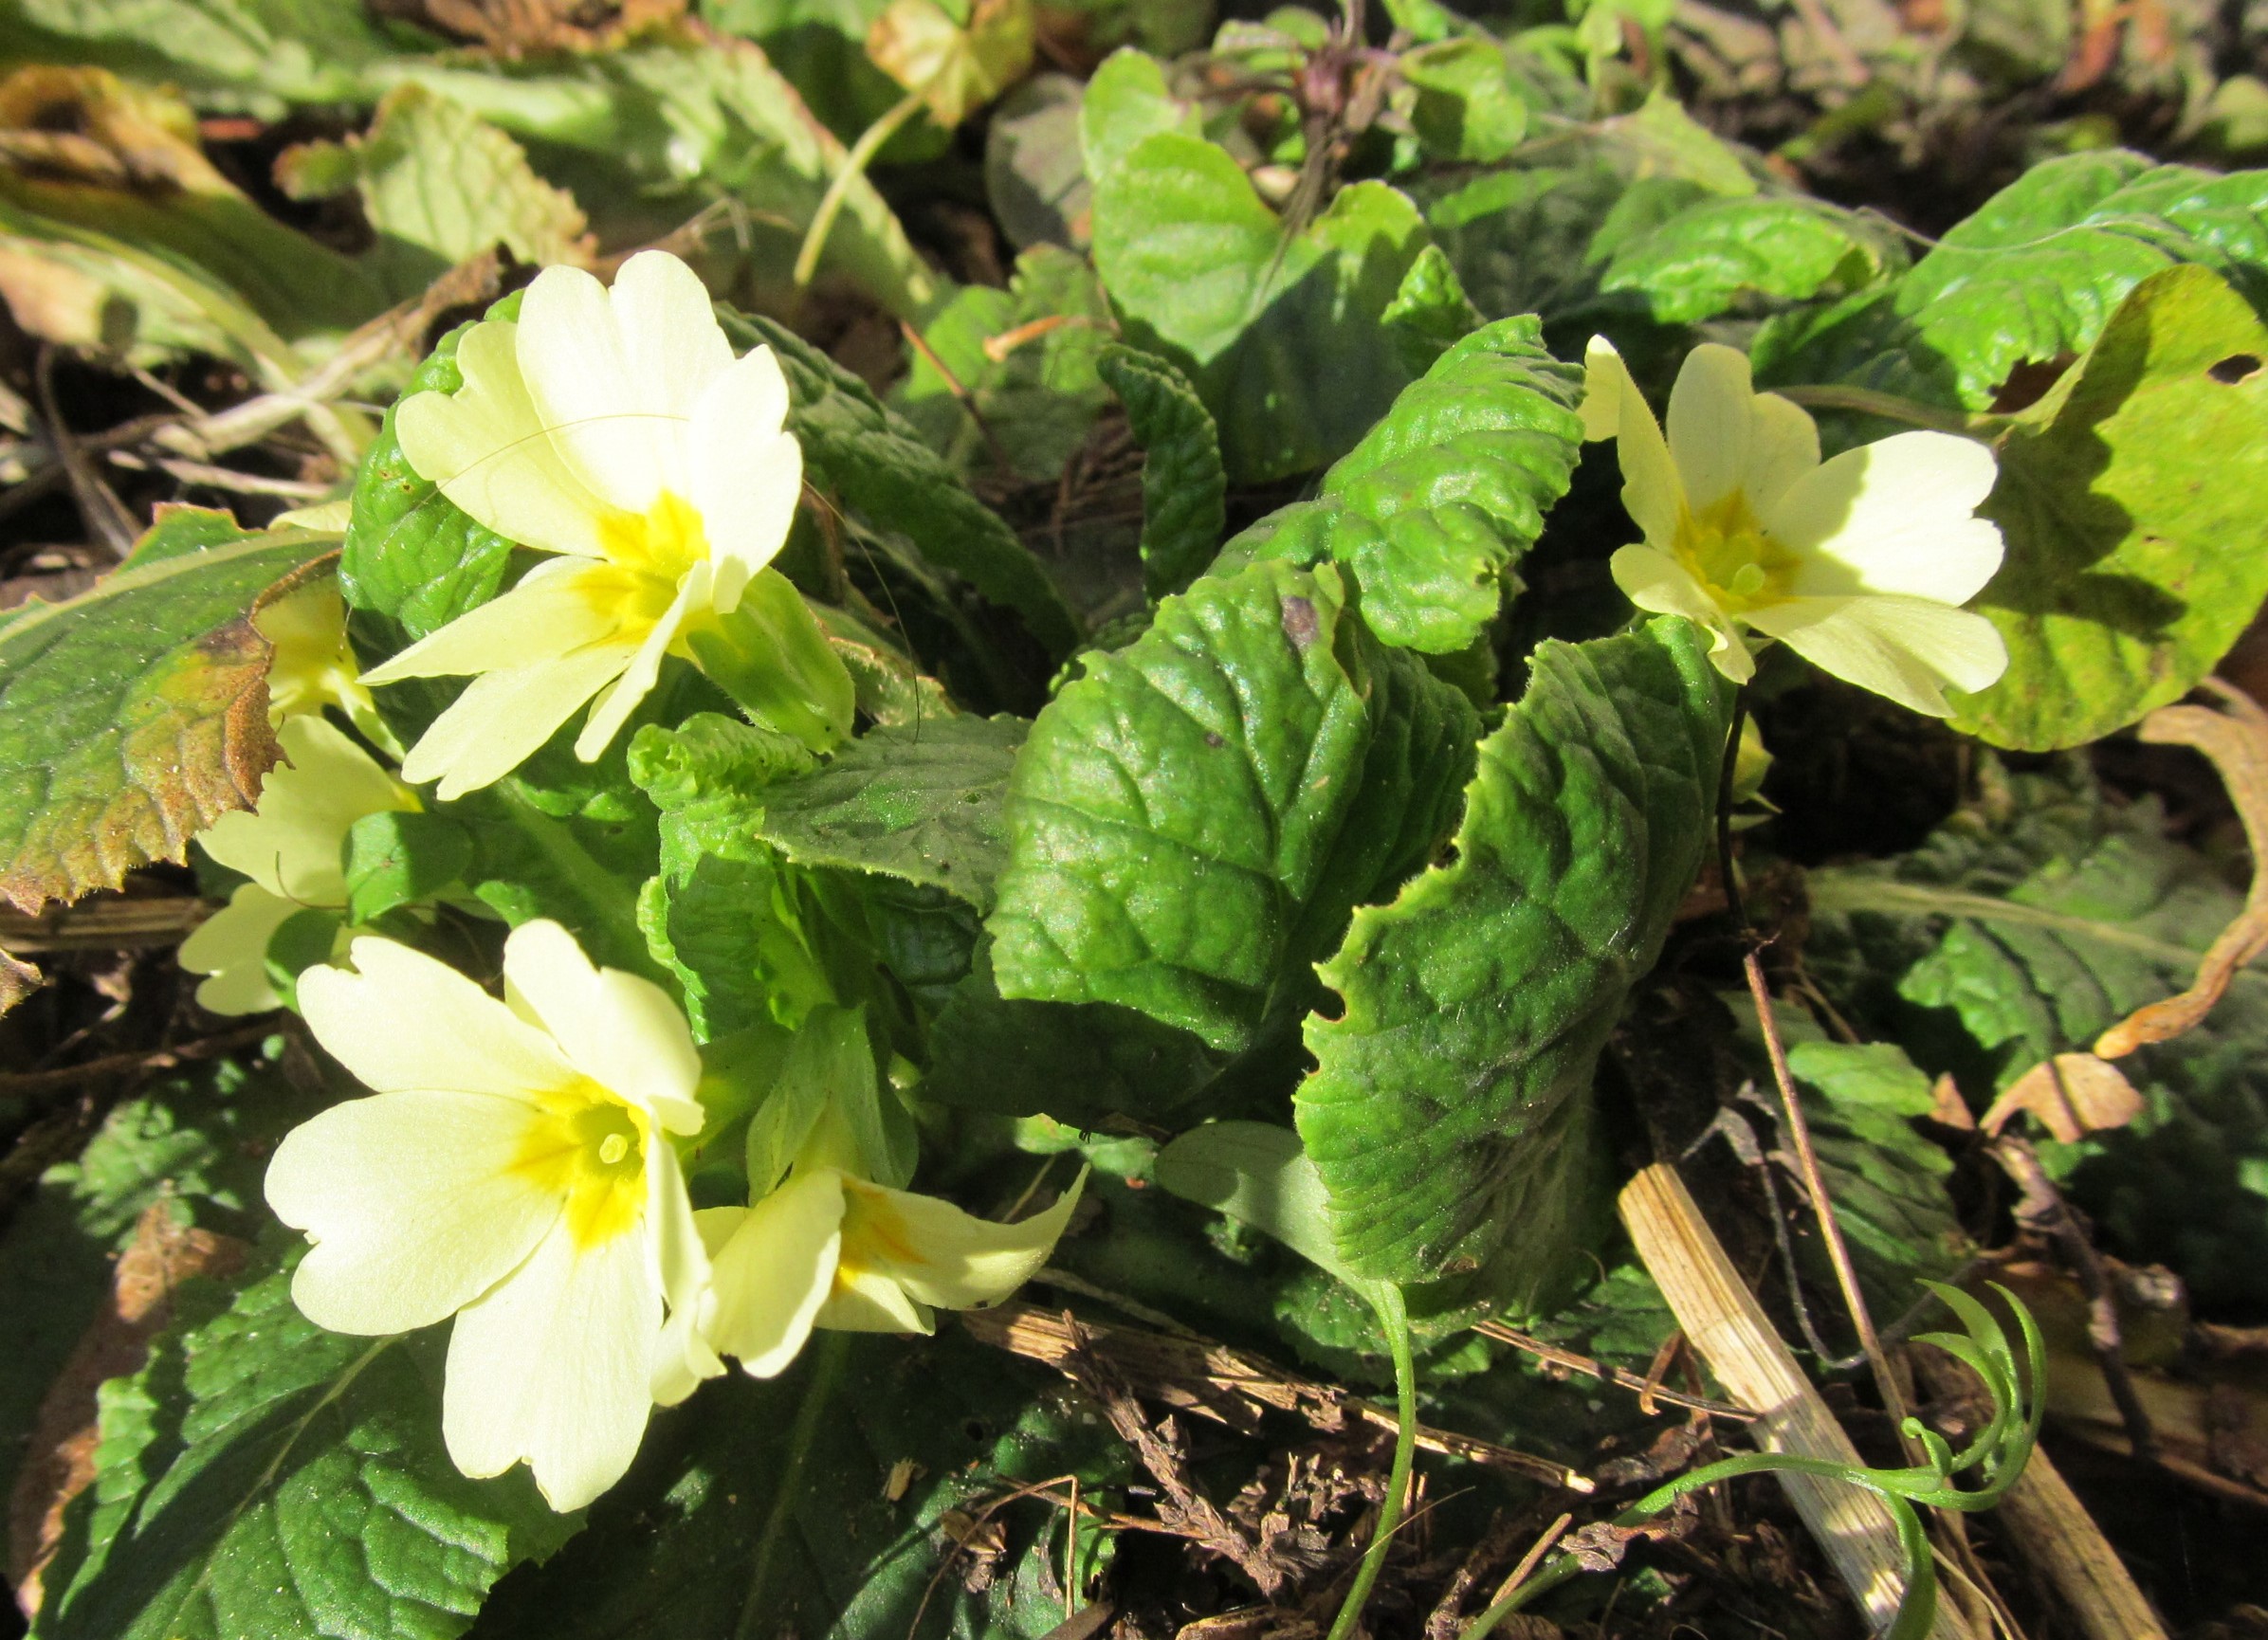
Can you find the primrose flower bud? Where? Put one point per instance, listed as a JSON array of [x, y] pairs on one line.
[[289, 845], [615, 429], [1859, 564], [513, 1169], [828, 1248]]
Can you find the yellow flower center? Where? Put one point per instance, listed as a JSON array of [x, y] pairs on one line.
[[662, 543], [590, 1147], [875, 1236], [1727, 551]]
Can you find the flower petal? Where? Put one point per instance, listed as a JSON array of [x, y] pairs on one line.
[[503, 719], [1711, 424], [775, 1271], [1783, 445], [671, 343], [940, 1255], [623, 1032], [402, 1021], [558, 607], [616, 429], [1651, 489], [290, 843], [1907, 649], [555, 1367], [612, 708], [684, 1356], [748, 474], [413, 1204], [1894, 516], [484, 446], [231, 947], [1657, 582]]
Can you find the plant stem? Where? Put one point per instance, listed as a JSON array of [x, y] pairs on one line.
[[1807, 1156], [1387, 1299], [1868, 401], [832, 1350], [854, 166]]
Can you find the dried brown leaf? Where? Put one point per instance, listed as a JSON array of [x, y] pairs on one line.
[[2236, 742], [2073, 1095]]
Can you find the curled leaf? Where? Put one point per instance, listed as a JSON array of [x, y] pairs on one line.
[[2237, 741], [2073, 1095]]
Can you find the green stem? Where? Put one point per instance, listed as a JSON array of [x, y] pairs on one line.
[[1387, 1299], [854, 166], [826, 1368], [1867, 401]]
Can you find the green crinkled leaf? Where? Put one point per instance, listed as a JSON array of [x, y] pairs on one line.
[[1281, 335], [437, 184], [135, 714], [1707, 257], [2033, 277], [261, 1476], [396, 859], [1191, 822], [2024, 927], [197, 1144], [2130, 502], [1887, 1181], [1183, 489], [878, 466], [725, 914], [1447, 492], [1431, 313], [765, 1507], [921, 805], [1450, 1110], [1041, 401]]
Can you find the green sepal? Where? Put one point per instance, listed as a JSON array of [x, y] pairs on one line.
[[772, 657]]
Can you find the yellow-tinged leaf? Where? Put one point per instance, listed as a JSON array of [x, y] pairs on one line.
[[954, 67]]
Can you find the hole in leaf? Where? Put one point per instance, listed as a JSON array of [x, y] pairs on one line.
[[2234, 368], [1330, 1005], [2028, 383]]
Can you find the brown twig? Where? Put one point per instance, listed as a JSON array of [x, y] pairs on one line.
[[1620, 1376], [106, 516], [2042, 1208], [31, 1083]]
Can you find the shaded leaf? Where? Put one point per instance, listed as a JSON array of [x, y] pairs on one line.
[[262, 1476], [875, 464], [1183, 489], [771, 1507], [1280, 335], [921, 805], [1450, 1110]]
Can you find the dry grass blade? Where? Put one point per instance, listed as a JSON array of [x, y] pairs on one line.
[[2235, 740], [1734, 1336]]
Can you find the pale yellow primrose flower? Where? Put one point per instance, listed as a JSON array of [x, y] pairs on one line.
[[830, 1249], [513, 1169], [1859, 564], [289, 845], [616, 429], [311, 665]]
